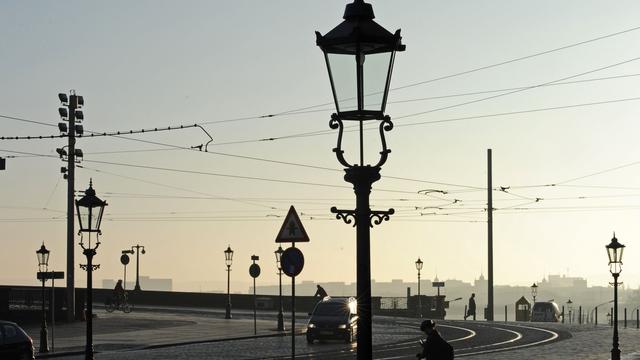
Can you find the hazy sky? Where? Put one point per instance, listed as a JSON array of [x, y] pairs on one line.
[[147, 64]]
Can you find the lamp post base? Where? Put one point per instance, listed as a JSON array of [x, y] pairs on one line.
[[227, 313], [44, 340], [615, 354], [280, 321]]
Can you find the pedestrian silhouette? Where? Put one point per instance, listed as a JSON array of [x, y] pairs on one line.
[[434, 347], [320, 292], [471, 310]]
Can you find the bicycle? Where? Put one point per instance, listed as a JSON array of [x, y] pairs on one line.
[[110, 305]]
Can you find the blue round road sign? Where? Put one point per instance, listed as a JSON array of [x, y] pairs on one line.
[[292, 261], [254, 270]]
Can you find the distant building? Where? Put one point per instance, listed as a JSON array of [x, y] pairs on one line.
[[146, 283]]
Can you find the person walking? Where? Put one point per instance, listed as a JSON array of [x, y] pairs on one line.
[[471, 310], [434, 347]]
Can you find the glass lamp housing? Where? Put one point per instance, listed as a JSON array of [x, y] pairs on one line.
[[359, 56], [419, 264], [614, 252], [90, 210], [43, 256], [228, 256]]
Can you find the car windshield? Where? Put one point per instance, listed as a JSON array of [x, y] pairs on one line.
[[331, 309]]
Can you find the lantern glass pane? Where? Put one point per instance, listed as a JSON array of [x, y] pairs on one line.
[[615, 267], [376, 71], [611, 252], [343, 73], [620, 251]]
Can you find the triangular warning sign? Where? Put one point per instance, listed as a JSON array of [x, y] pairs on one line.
[[292, 229]]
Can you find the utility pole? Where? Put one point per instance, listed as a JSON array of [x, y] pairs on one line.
[[70, 112], [490, 239]]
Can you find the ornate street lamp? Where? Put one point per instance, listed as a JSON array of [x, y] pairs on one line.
[[43, 267], [419, 264], [359, 55], [228, 259], [534, 292], [614, 251], [278, 254], [570, 310], [89, 209], [137, 249]]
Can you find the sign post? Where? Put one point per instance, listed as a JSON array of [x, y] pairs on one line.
[[292, 261], [254, 271]]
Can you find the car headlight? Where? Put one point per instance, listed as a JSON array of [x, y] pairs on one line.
[[311, 326], [342, 326]]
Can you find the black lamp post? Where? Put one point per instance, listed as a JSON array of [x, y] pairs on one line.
[[614, 251], [570, 310], [228, 259], [278, 254], [89, 209], [419, 264], [534, 292], [137, 249], [43, 267], [359, 55]]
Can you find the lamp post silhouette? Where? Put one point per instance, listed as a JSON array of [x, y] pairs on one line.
[[570, 310], [359, 56], [278, 254], [614, 251], [89, 209], [419, 264], [228, 259], [534, 292], [137, 249], [43, 267]]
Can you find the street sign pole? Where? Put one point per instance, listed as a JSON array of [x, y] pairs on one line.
[[254, 271], [293, 313]]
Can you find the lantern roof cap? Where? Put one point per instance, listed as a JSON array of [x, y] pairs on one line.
[[90, 199], [359, 28], [43, 249], [614, 244]]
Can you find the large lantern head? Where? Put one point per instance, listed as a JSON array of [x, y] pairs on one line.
[[43, 257], [228, 256], [534, 289], [90, 209], [419, 264], [278, 254], [359, 54], [614, 251]]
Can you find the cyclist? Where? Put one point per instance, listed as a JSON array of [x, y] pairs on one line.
[[118, 293]]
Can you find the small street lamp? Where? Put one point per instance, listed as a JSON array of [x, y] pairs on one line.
[[419, 264], [614, 251], [359, 55], [89, 209], [43, 267], [137, 249], [570, 310], [278, 254], [228, 259], [534, 292]]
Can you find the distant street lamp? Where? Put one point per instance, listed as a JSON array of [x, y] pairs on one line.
[[419, 267], [614, 251], [90, 209], [359, 55], [534, 292], [278, 254], [570, 309], [228, 259], [43, 267], [137, 249]]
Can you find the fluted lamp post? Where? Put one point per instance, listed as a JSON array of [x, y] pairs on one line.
[[90, 210], [534, 292], [359, 56], [614, 251], [228, 259], [138, 251], [43, 267], [419, 264], [278, 254]]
